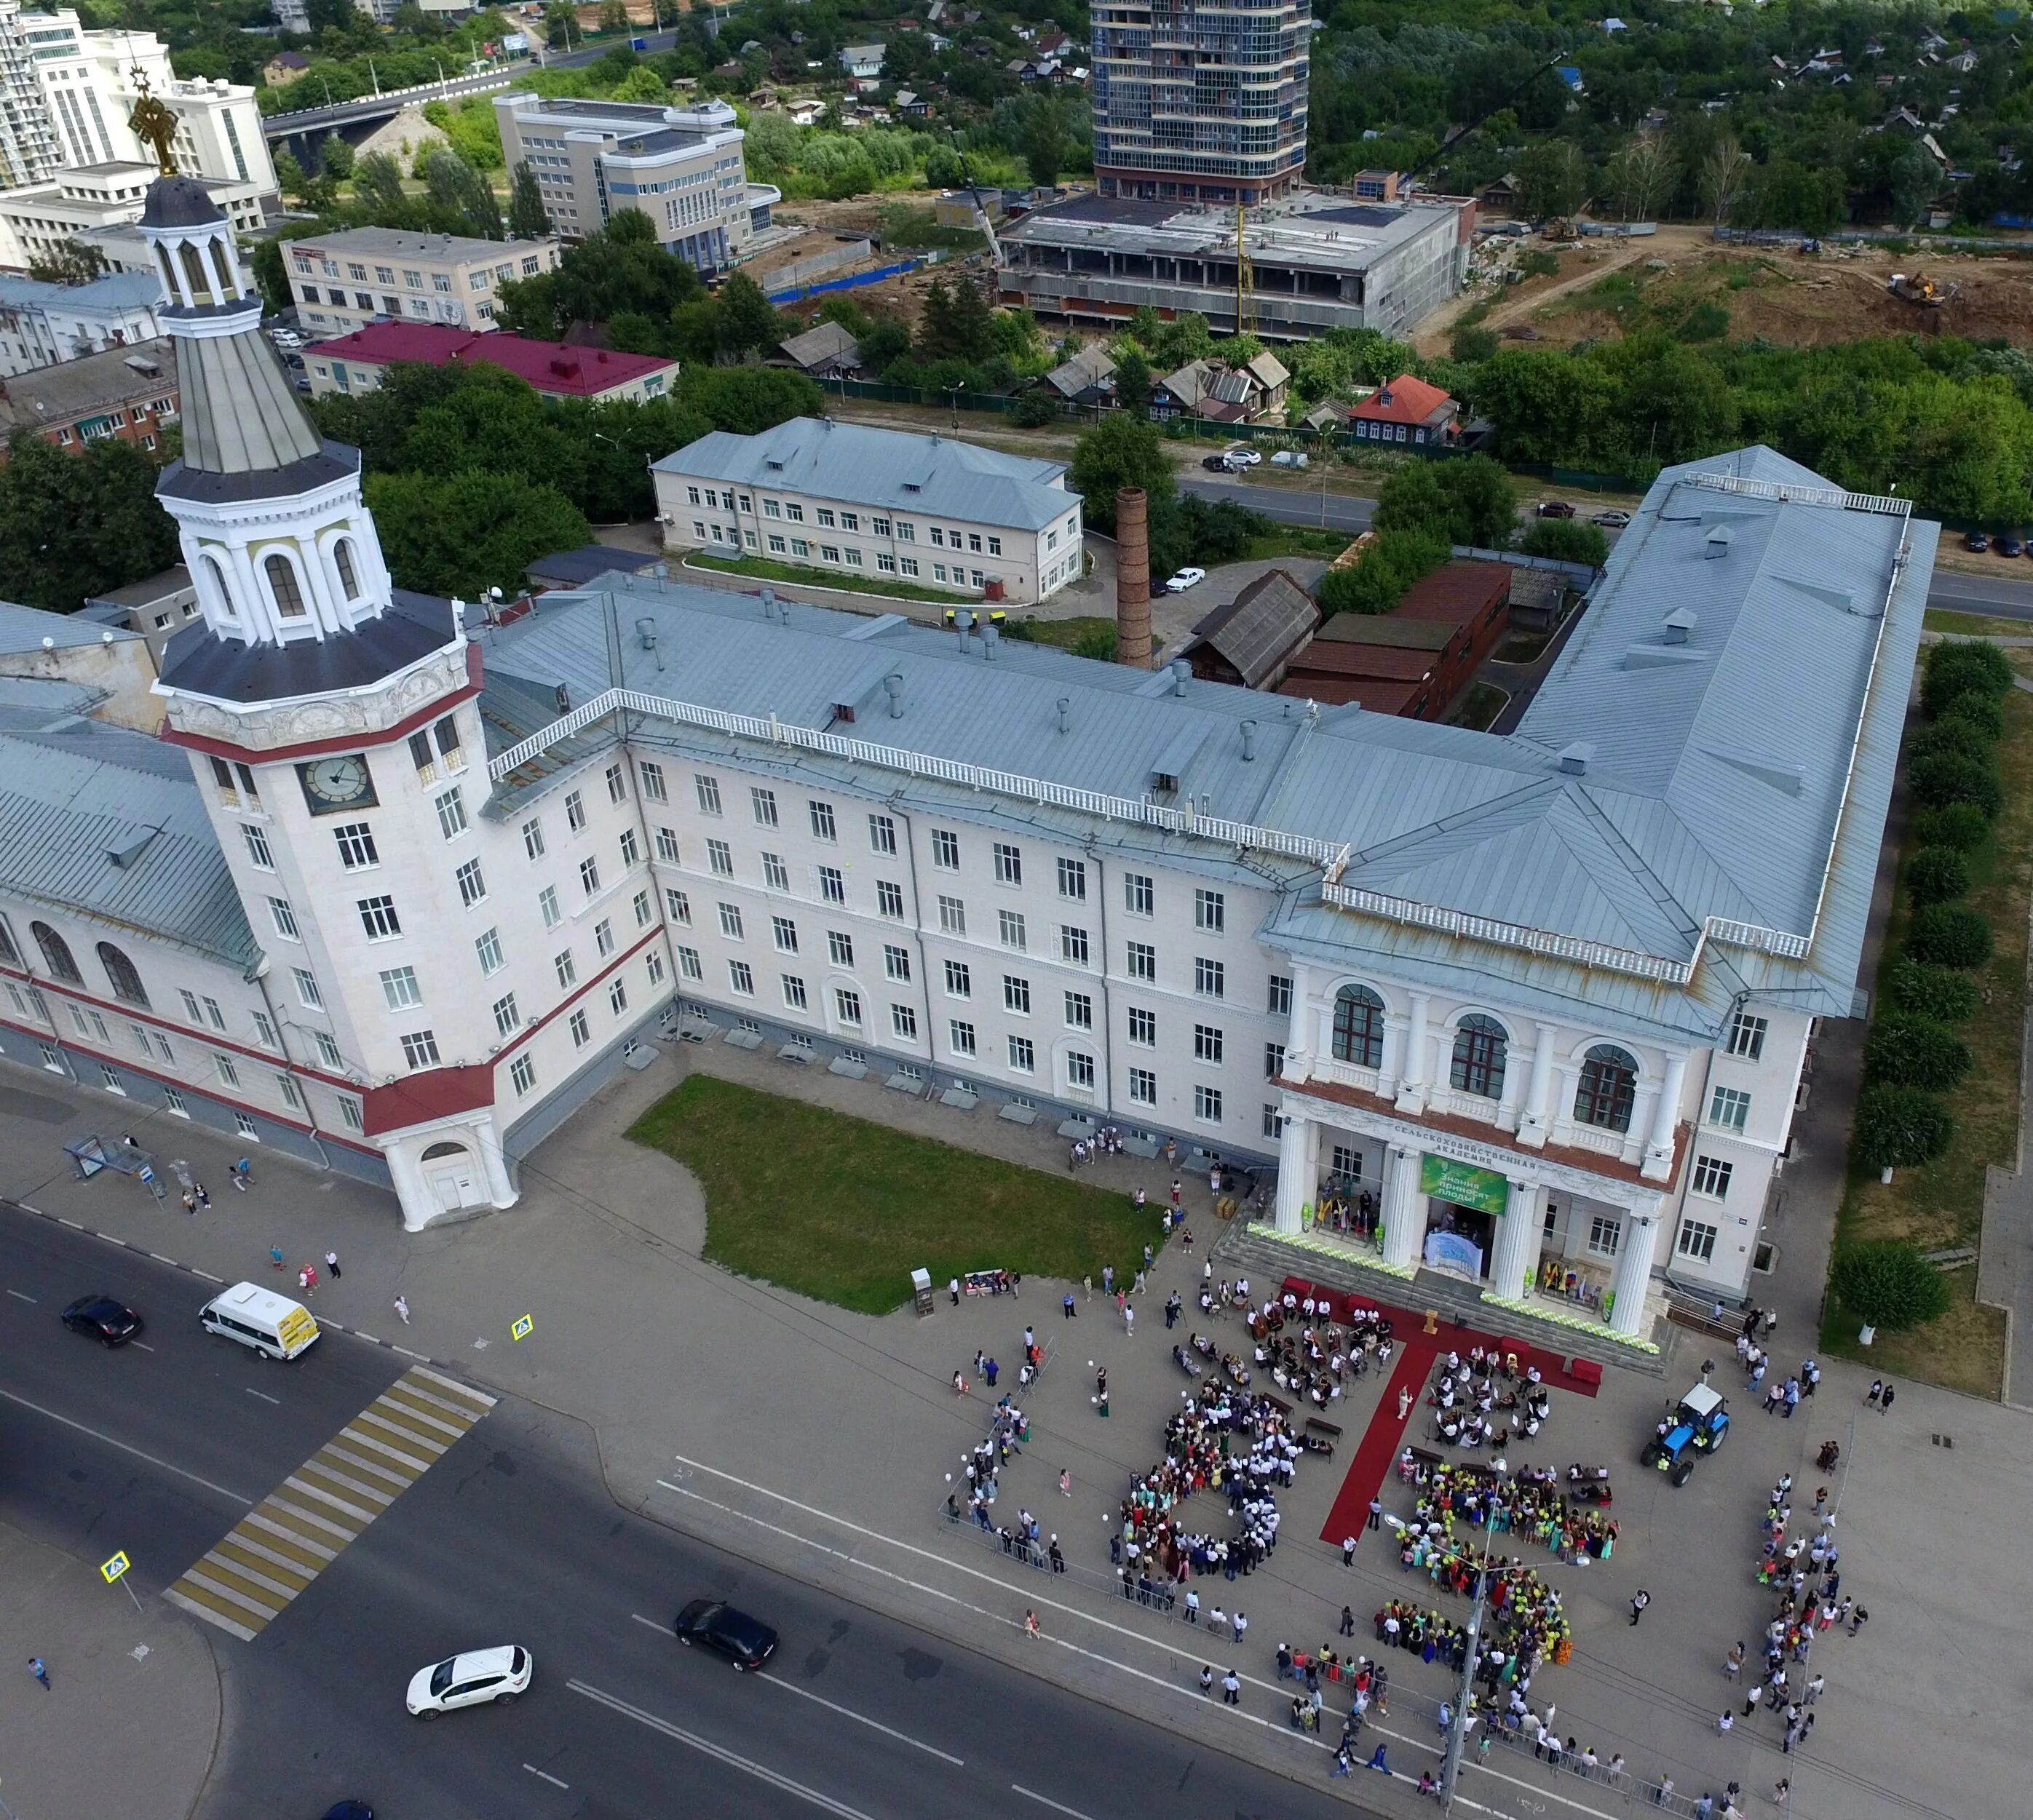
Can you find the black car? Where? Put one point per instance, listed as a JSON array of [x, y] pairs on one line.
[[350, 1811], [1976, 540], [1217, 463], [744, 1641], [2009, 544], [110, 1322]]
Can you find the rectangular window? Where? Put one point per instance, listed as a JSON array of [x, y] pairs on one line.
[[1280, 1002], [1142, 1087], [1209, 976], [547, 901], [522, 1075], [603, 937], [764, 803], [1139, 894], [533, 837], [246, 1127], [575, 812], [328, 1051], [1274, 1060], [229, 1075], [775, 875], [689, 965], [589, 876], [420, 1049], [617, 784], [639, 907], [794, 993], [349, 1113], [740, 980], [1605, 1235], [995, 546], [1210, 911], [1016, 994], [1011, 924], [1142, 962], [1080, 1011], [895, 963], [882, 834], [307, 988], [908, 564], [451, 813], [655, 967], [708, 793], [1080, 1070], [720, 857], [823, 825], [1073, 880], [651, 775], [945, 850], [399, 988], [378, 918], [487, 951], [786, 933], [191, 1006], [1747, 1036], [677, 906], [566, 968], [1207, 1105], [471, 886], [581, 1028], [1072, 945], [903, 1021], [284, 918], [953, 916], [848, 1005], [824, 517], [632, 848], [1023, 1055], [889, 899], [507, 1020], [213, 1015], [1729, 1109], [1711, 1176], [1274, 1121], [111, 1077], [833, 884], [1697, 1241], [960, 1036], [730, 921], [1008, 864], [257, 848], [959, 980], [1207, 1043], [1144, 1028], [667, 846], [840, 948]]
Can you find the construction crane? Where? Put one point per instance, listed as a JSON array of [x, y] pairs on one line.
[[973, 189], [1245, 280], [1496, 106]]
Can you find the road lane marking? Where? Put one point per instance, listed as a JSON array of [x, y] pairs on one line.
[[719, 1753], [19, 1297], [160, 1259], [144, 1345], [99, 1435], [275, 1552], [1045, 1801], [265, 1396], [544, 1776], [862, 1719]]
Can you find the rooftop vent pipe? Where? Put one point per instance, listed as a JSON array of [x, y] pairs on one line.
[[1249, 740], [893, 685], [1181, 674], [991, 637], [1066, 705]]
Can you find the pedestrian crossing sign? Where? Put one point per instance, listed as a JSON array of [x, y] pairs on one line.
[[111, 1571], [524, 1326]]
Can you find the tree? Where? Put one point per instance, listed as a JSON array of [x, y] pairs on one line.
[[528, 219], [1121, 450], [1484, 504], [1899, 1127], [456, 534], [1567, 540], [74, 525], [1553, 180], [1133, 382], [613, 16], [748, 322], [1942, 778], [1377, 581], [1949, 935], [558, 25], [69, 262], [1941, 993], [377, 186], [1916, 1051], [1724, 173], [315, 193], [336, 158], [748, 400], [1937, 874], [453, 183], [1642, 176], [1045, 147], [1889, 1284]]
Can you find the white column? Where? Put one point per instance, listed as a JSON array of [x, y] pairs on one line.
[[412, 1193], [1298, 1051], [486, 1141], [1517, 1237], [1412, 1071], [1538, 1093], [1665, 1118], [1404, 1220], [1295, 1185], [1633, 1267]]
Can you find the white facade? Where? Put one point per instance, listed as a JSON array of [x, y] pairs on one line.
[[342, 281], [41, 324], [86, 203]]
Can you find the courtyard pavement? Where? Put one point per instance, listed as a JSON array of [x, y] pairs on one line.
[[820, 1440]]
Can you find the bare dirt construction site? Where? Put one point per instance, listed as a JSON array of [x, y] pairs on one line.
[[1682, 281]]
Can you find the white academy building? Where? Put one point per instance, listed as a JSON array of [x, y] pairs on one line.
[[413, 886]]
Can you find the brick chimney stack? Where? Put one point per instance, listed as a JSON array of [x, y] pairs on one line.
[[1132, 578]]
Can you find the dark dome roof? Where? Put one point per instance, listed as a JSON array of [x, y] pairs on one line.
[[179, 202]]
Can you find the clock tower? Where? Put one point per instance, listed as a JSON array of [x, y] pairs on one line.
[[332, 723]]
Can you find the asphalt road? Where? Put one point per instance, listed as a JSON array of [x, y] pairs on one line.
[[511, 1537], [1996, 597], [1337, 511]]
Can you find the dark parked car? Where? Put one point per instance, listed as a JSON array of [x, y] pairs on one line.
[[1217, 463], [110, 1322], [1555, 509], [350, 1811], [1976, 540], [2010, 544], [746, 1642]]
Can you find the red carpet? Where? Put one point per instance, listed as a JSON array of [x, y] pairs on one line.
[[1378, 1448]]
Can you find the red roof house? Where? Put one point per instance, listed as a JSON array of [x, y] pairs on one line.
[[1408, 411], [355, 363]]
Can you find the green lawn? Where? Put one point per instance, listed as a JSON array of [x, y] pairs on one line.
[[796, 575], [1085, 635], [842, 1210], [1298, 540]]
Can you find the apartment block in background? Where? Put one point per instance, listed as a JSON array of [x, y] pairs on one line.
[[130, 393], [343, 280]]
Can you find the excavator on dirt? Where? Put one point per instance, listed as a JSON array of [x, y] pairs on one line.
[[1919, 288]]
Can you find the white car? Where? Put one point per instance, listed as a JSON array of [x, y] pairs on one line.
[[1185, 579], [1614, 520], [1243, 456], [477, 1678]]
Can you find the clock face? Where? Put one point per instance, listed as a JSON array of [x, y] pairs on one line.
[[340, 781]]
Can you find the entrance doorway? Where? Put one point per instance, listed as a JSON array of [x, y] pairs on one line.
[[1459, 1239], [454, 1176]]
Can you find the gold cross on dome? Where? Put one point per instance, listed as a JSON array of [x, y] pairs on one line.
[[154, 122]]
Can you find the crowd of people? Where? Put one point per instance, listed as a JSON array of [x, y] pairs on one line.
[[1487, 1398], [1561, 1510]]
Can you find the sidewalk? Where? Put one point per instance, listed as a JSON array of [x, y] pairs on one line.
[[132, 1706], [819, 1440]]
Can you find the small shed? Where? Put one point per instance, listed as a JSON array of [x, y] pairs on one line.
[[825, 351], [1251, 641]]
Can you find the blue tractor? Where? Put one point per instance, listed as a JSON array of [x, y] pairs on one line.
[[1698, 1424]]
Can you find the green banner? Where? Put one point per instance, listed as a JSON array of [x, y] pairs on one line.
[[1465, 1185]]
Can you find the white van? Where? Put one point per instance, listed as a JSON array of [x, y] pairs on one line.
[[274, 1325]]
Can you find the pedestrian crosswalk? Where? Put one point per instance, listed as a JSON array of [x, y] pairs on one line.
[[288, 1539]]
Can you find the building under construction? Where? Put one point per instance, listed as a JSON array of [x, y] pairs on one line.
[[1312, 261]]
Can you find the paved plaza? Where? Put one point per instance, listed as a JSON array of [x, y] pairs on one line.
[[822, 1440]]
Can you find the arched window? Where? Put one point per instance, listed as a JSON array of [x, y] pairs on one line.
[[8, 951], [282, 584], [56, 953], [348, 578], [1480, 1045], [439, 1153], [1358, 1027], [199, 281], [126, 982], [1608, 1084], [219, 580]]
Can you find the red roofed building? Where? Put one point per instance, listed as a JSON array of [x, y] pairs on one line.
[[355, 363], [1407, 411]]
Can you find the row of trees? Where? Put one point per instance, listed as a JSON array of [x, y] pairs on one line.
[[73, 525]]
